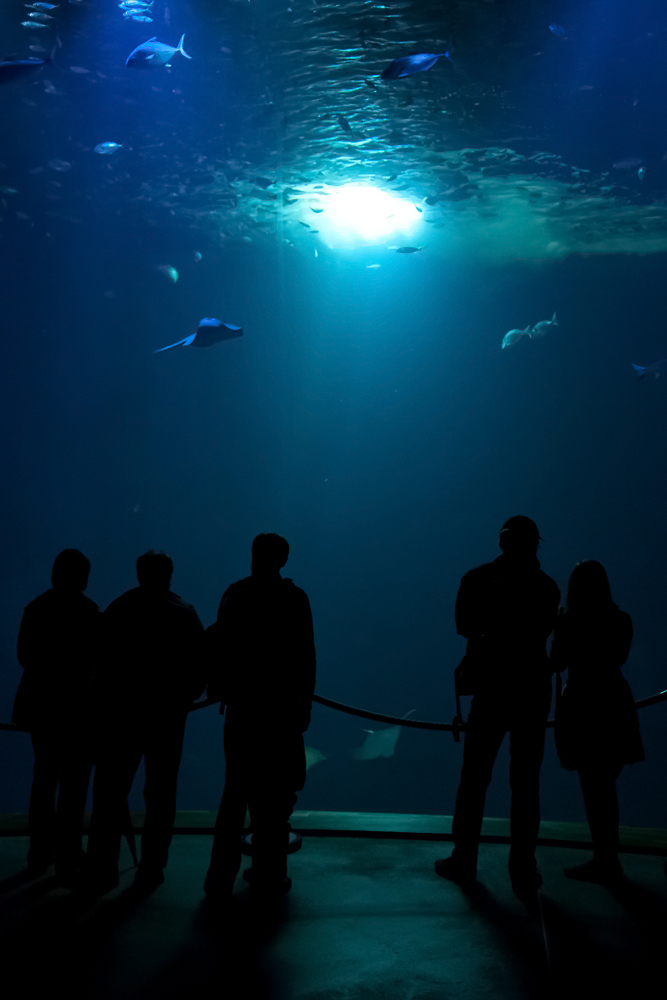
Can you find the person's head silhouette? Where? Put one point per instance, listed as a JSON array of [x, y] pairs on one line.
[[154, 569], [519, 538], [588, 588], [70, 571], [269, 554]]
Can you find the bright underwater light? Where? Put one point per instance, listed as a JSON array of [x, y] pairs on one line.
[[360, 212]]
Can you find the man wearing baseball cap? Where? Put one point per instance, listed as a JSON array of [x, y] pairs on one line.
[[506, 609]]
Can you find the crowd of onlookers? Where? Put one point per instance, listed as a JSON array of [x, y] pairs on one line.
[[106, 689]]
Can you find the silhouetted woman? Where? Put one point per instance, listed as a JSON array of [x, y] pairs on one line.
[[597, 730]]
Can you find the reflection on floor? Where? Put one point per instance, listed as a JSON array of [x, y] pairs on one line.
[[366, 918]]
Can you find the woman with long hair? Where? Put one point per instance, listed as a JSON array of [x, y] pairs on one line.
[[596, 728]]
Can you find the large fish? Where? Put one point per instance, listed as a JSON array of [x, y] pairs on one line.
[[407, 65], [152, 53], [18, 69], [210, 331]]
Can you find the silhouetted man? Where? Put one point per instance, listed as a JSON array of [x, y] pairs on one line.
[[151, 674], [57, 648], [506, 610], [264, 672]]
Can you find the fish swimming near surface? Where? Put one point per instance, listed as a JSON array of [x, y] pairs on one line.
[[313, 757], [514, 335], [169, 272], [344, 123], [262, 182], [32, 24], [407, 65], [542, 328], [152, 54], [18, 69], [408, 249], [629, 163], [42, 6], [657, 369], [379, 742], [210, 331]]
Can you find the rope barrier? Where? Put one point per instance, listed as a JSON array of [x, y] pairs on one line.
[[391, 720], [362, 713]]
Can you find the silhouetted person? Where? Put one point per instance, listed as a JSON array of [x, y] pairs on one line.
[[151, 674], [57, 648], [506, 610], [265, 674], [597, 729]]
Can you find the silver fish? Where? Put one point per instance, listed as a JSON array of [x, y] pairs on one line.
[[540, 329], [169, 272], [152, 54], [514, 335]]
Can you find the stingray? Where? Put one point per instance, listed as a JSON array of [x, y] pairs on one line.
[[379, 742], [210, 331], [313, 757]]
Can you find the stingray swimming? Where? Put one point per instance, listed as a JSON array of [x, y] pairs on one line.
[[210, 331], [379, 742]]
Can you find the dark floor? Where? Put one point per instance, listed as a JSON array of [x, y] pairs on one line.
[[366, 918]]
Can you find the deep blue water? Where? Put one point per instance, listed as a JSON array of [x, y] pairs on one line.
[[368, 415]]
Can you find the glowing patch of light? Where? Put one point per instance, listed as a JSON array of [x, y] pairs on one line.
[[358, 213]]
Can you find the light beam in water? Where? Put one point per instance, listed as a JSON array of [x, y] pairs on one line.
[[355, 214]]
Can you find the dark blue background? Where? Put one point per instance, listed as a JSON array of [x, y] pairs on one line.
[[370, 416]]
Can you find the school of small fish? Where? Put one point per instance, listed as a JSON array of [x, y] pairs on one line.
[[461, 176]]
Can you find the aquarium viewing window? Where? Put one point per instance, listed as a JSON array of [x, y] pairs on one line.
[[360, 213]]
